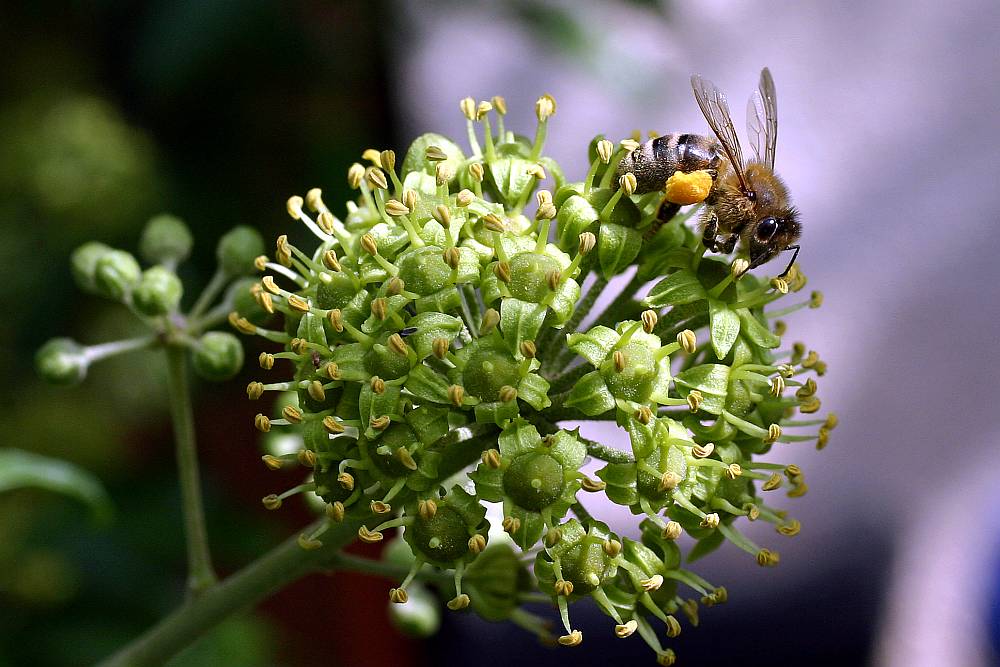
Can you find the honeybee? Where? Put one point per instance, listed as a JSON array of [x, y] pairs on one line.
[[747, 203]]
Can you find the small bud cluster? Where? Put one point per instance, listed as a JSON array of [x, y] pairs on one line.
[[433, 335], [154, 295]]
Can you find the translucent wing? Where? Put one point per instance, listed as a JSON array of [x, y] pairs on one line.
[[762, 119], [716, 111]]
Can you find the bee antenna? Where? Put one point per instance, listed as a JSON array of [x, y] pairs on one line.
[[794, 255]]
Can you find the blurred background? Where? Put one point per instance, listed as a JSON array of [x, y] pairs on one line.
[[111, 112]]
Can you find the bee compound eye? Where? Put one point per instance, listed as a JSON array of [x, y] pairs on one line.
[[766, 228]]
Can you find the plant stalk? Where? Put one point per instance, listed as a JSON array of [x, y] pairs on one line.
[[201, 576]]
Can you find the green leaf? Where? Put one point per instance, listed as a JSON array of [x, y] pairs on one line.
[[574, 217], [617, 246], [712, 380], [444, 300], [425, 383], [568, 449], [757, 333], [496, 412], [520, 320], [724, 325], [591, 395], [534, 390], [531, 528], [21, 469], [416, 156], [519, 437], [679, 288], [430, 423], [594, 345], [431, 325], [350, 360], [705, 546]]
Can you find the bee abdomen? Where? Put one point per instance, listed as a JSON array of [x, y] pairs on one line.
[[656, 160]]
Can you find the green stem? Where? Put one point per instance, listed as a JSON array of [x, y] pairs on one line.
[[279, 567], [348, 563], [201, 576], [282, 565], [208, 295], [105, 350]]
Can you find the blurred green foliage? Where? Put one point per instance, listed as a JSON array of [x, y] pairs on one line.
[[112, 113]]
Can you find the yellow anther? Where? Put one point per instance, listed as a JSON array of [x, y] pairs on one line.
[[262, 423], [649, 320], [346, 481], [620, 360], [336, 511], [427, 509], [307, 458], [628, 183], [574, 638], [612, 547], [703, 451], [294, 207], [545, 106], [668, 480], [369, 536], [605, 149], [626, 629], [477, 543], [491, 457], [308, 543], [292, 414], [672, 530], [460, 602]]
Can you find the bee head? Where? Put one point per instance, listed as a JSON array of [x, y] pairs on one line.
[[771, 234]]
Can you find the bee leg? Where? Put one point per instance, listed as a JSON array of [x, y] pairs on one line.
[[726, 247], [794, 255], [665, 212], [711, 231]]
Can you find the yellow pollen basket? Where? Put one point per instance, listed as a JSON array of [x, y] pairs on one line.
[[688, 188]]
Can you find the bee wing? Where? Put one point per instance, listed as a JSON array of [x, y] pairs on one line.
[[716, 111], [762, 119]]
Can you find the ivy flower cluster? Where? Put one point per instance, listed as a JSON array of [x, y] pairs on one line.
[[432, 340]]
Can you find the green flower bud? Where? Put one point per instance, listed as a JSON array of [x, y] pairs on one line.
[[165, 240], [84, 265], [62, 361], [237, 250], [116, 274], [218, 356], [158, 292], [443, 539]]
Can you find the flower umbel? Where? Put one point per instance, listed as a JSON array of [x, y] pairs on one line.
[[434, 327]]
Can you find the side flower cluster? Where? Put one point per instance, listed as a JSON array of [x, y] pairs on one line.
[[431, 342]]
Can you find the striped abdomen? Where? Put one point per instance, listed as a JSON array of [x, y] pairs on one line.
[[656, 160]]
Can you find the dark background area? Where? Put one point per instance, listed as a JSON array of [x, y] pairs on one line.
[[111, 112]]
